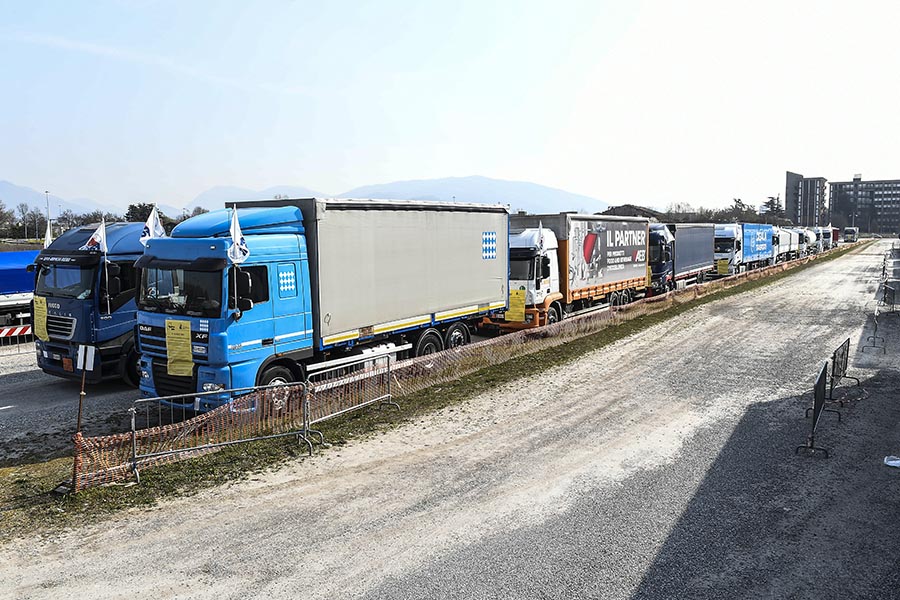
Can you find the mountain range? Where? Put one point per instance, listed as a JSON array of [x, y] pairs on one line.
[[520, 195]]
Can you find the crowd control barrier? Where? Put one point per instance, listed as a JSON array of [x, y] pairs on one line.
[[839, 362], [817, 409]]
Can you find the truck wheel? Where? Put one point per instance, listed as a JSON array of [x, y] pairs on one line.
[[131, 368], [429, 343], [552, 315], [276, 375], [456, 335]]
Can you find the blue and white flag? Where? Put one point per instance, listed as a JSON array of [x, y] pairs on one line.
[[97, 241], [153, 228], [238, 251]]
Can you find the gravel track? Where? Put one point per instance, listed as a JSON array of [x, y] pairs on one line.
[[661, 466]]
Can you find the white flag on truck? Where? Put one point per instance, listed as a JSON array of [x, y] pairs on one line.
[[153, 228], [48, 237], [238, 251], [97, 241]]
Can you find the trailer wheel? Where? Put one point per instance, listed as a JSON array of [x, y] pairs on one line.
[[429, 342], [456, 335], [552, 315]]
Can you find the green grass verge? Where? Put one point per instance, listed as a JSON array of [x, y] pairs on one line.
[[28, 504]]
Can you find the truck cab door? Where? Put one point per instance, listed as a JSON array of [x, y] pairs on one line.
[[293, 318]]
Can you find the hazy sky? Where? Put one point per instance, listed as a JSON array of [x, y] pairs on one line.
[[643, 102]]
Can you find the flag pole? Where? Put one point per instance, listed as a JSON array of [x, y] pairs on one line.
[[234, 269]]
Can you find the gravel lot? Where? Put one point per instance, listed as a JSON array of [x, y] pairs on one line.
[[662, 466]]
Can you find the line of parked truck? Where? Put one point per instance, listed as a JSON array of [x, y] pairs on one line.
[[330, 278]]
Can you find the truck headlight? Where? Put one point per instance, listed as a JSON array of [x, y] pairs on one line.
[[213, 387]]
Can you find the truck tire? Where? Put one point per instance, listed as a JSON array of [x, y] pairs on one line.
[[456, 335], [428, 343], [130, 368], [276, 374], [552, 315]]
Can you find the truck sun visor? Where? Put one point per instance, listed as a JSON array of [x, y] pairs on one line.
[[81, 259], [198, 264]]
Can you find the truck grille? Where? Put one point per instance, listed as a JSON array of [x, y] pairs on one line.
[[152, 345], [171, 385], [60, 327]]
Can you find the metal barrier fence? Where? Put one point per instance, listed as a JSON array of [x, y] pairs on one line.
[[817, 409], [872, 340], [839, 362], [345, 386], [16, 339]]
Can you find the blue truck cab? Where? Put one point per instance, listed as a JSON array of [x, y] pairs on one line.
[[188, 279], [90, 301]]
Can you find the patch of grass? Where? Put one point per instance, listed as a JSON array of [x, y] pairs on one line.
[[28, 504]]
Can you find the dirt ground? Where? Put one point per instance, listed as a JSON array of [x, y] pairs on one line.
[[662, 466]]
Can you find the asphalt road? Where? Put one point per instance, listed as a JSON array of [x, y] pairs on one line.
[[662, 466]]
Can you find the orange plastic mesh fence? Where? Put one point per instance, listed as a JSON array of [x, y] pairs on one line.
[[265, 412], [105, 459], [340, 390]]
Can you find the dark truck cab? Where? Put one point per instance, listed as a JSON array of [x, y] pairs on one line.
[[89, 297]]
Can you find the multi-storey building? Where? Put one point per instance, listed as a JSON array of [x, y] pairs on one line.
[[873, 206], [805, 200]]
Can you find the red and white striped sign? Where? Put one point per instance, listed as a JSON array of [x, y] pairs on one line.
[[15, 331]]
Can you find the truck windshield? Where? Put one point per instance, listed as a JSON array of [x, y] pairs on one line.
[[724, 245], [521, 269], [181, 292], [65, 282]]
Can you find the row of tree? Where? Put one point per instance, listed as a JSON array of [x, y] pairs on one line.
[[25, 222], [682, 212]]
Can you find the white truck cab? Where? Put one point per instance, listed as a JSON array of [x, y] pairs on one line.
[[728, 249], [533, 265]]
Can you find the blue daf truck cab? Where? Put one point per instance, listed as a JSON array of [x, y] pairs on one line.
[[89, 297], [323, 279]]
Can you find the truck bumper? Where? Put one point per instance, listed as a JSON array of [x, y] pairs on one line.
[[59, 359], [205, 378], [534, 317]]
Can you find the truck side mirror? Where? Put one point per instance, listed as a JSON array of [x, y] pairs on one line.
[[113, 269], [667, 255], [243, 284], [545, 265], [113, 286], [30, 268], [244, 304]]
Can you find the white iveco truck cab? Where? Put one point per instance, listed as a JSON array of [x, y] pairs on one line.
[[533, 265]]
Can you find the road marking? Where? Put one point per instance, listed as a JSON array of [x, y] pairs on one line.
[[5, 407]]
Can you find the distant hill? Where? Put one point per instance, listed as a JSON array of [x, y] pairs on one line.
[[12, 195], [520, 195]]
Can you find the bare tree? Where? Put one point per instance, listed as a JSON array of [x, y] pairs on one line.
[[23, 209]]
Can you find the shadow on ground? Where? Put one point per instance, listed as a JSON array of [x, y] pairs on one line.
[[765, 523]]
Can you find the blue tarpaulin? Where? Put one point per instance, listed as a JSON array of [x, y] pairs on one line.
[[14, 279]]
